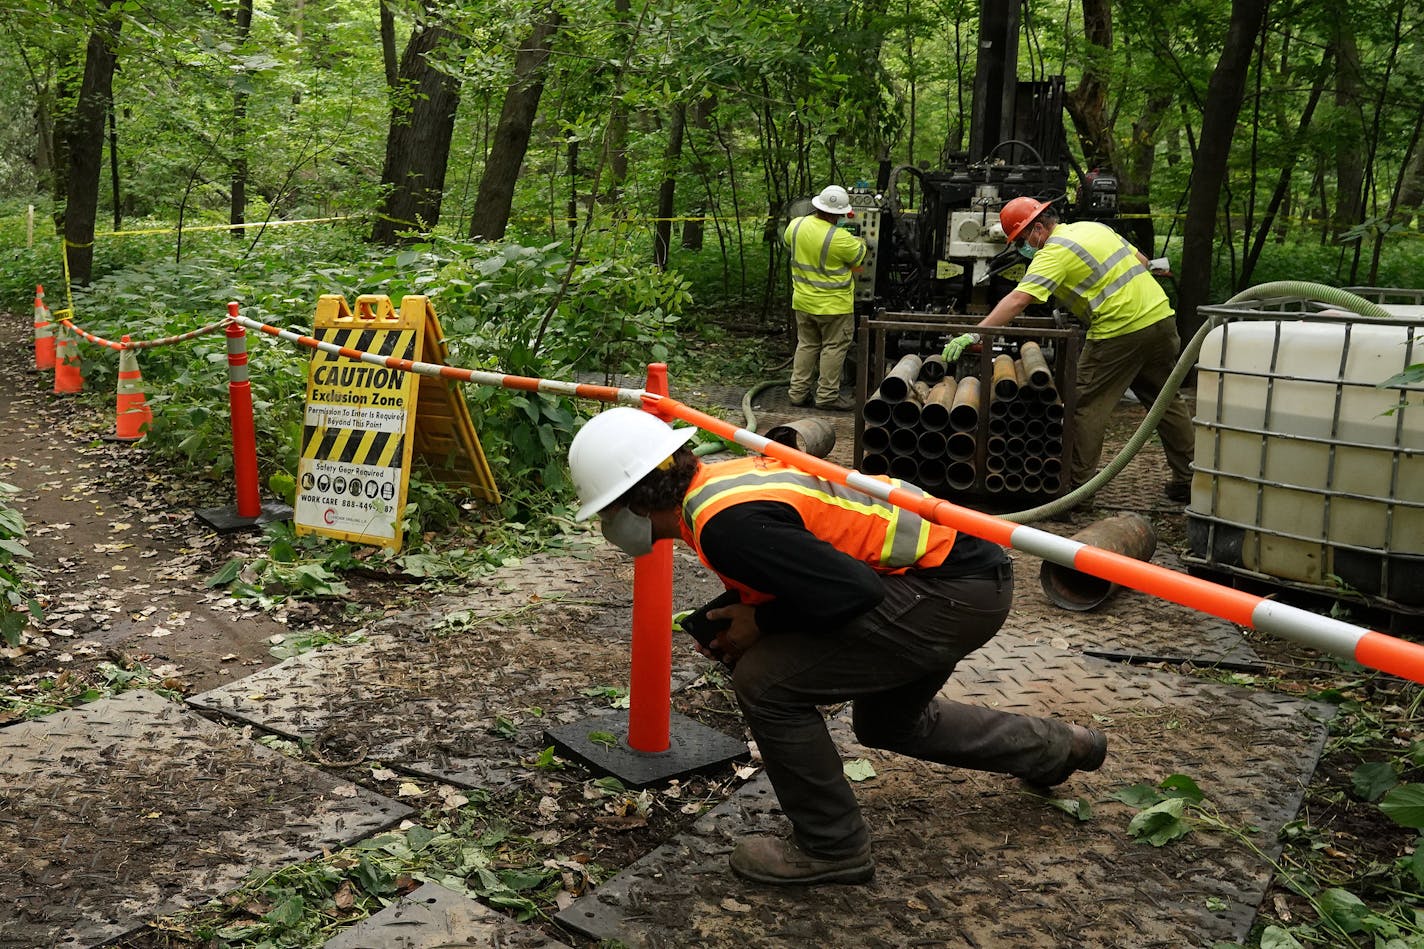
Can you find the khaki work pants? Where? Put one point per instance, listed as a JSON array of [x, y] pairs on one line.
[[1140, 361], [822, 342]]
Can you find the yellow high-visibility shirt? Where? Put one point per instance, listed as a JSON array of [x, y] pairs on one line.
[[822, 258], [1096, 274]]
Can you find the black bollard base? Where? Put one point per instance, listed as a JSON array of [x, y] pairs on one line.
[[601, 744], [225, 520]]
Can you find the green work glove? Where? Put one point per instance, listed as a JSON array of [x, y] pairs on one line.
[[956, 347]]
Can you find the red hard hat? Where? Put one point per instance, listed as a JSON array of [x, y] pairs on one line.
[[1018, 214]]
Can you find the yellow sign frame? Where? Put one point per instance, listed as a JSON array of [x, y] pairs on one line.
[[364, 424]]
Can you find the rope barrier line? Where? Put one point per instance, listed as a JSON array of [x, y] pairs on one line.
[[523, 383], [143, 343], [1365, 646]]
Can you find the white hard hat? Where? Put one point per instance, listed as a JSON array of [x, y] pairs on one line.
[[833, 200], [614, 450]]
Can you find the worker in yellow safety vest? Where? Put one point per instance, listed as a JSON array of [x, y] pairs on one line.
[[1132, 338], [825, 258], [833, 596]]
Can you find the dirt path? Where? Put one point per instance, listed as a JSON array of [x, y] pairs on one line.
[[119, 553]]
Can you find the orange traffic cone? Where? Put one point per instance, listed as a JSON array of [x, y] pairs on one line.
[[133, 414], [68, 370], [44, 332]]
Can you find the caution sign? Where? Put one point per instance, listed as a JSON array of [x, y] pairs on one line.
[[365, 423], [357, 428]]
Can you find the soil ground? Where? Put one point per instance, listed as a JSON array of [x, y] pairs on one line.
[[122, 569]]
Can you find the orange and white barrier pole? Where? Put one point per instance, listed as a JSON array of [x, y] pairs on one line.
[[244, 431], [1365, 646], [44, 332], [650, 678]]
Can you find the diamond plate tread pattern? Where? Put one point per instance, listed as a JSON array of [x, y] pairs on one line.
[[426, 691], [433, 917], [995, 865], [119, 865]]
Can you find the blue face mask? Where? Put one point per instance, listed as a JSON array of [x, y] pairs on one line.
[[1027, 250]]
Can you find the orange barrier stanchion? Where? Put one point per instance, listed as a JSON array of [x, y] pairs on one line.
[[244, 432], [249, 510], [132, 414], [44, 332], [68, 369], [650, 681]]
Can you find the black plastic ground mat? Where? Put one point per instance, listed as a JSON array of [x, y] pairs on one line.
[[979, 860], [134, 807]]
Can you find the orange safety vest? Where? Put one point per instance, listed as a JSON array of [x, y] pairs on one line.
[[887, 538]]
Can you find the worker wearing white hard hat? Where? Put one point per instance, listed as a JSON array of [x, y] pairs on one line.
[[833, 596], [824, 261]]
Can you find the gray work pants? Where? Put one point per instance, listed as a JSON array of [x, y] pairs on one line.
[[891, 662]]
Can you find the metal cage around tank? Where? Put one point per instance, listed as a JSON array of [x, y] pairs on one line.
[[1309, 470]]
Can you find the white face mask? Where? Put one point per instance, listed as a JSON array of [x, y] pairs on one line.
[[629, 532]]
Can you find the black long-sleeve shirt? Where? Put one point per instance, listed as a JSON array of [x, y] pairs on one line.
[[766, 546]]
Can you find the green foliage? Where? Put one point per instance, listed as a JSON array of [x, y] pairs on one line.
[[68, 690], [17, 606], [1166, 811]]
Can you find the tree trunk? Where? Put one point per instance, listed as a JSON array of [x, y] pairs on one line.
[[418, 144], [238, 207], [1278, 197], [1223, 103], [84, 139], [692, 229], [667, 191], [1411, 190], [114, 170], [1136, 184], [490, 217], [618, 117], [1349, 153], [1087, 105], [1087, 102], [388, 46]]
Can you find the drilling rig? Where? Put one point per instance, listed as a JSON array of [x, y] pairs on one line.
[[937, 262]]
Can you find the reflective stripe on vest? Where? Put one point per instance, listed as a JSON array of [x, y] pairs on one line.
[[1101, 281], [887, 538], [816, 274]]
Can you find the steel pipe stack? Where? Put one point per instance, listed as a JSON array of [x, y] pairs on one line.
[[1025, 447], [924, 426]]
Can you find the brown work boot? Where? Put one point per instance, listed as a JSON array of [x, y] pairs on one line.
[[1086, 751], [842, 403], [777, 860], [801, 401]]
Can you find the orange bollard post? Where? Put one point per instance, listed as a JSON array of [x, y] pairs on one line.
[[650, 682], [244, 431], [44, 332], [132, 414], [250, 510], [68, 369]]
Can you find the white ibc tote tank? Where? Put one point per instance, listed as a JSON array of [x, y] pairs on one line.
[[1306, 469]]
